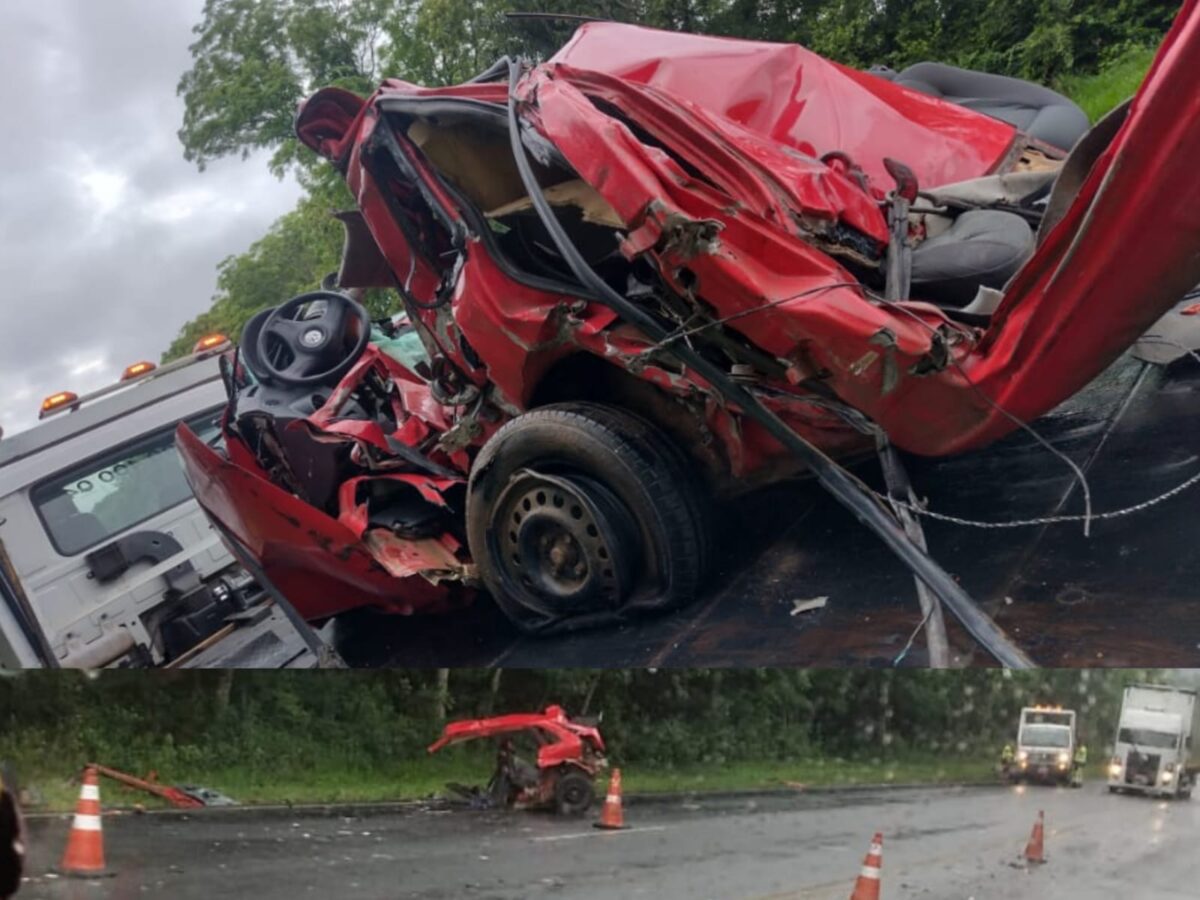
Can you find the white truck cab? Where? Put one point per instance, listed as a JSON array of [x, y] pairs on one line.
[[1153, 750], [106, 559], [1045, 745]]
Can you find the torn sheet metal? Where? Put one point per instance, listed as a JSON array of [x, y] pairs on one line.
[[738, 191]]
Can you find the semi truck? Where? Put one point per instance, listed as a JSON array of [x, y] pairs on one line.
[[107, 560], [1046, 741], [1153, 752]]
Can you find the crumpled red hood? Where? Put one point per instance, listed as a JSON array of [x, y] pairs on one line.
[[794, 97]]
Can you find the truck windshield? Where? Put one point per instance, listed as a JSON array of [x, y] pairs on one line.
[[1145, 737], [103, 497], [1045, 736], [1048, 717]]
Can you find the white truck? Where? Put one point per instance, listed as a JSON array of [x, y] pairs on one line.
[[1046, 740], [106, 558], [1153, 752]]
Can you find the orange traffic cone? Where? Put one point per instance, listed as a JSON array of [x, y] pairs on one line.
[[612, 817], [84, 855], [867, 885], [1035, 851]]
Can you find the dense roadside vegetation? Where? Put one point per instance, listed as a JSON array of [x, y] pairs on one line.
[[1116, 82], [254, 60], [361, 735]]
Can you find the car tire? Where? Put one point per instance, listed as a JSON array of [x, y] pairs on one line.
[[581, 514], [573, 794]]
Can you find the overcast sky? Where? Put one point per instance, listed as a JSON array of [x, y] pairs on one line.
[[109, 240]]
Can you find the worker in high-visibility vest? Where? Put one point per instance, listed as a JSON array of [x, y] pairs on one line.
[[12, 841], [1079, 763], [1006, 759]]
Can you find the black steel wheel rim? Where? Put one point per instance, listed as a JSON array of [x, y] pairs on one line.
[[574, 793], [563, 543]]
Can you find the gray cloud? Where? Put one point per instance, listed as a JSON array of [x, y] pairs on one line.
[[109, 240]]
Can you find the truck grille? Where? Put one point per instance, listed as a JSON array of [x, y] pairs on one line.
[[1141, 768]]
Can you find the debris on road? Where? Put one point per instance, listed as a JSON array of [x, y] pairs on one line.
[[803, 606], [179, 796]]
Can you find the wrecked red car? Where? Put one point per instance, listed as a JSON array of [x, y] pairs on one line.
[[661, 268], [567, 757]]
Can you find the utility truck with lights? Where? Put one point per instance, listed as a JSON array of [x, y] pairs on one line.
[[1153, 752], [1046, 741], [107, 560]]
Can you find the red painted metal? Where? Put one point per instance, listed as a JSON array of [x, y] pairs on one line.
[[561, 739], [790, 96], [172, 795], [734, 215], [316, 561]]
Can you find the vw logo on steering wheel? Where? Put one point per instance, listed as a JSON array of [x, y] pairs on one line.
[[288, 345]]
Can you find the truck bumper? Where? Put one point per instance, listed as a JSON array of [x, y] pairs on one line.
[[1148, 790]]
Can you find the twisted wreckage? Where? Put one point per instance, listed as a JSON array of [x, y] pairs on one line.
[[567, 755], [661, 268]]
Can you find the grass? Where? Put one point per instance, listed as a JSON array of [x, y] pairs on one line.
[[1119, 81], [426, 777], [408, 780]]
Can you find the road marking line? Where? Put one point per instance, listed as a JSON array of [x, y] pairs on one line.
[[597, 833]]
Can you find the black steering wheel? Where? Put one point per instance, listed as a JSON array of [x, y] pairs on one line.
[[318, 348]]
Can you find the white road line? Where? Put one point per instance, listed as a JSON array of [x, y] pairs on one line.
[[599, 832]]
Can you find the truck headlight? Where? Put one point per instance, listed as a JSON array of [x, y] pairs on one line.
[[1063, 758], [1166, 777], [1022, 756], [1114, 769]]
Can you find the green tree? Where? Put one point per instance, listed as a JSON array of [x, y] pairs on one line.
[[255, 60]]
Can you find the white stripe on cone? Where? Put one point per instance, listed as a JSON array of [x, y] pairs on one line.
[[870, 872], [84, 822], [90, 792], [611, 798]]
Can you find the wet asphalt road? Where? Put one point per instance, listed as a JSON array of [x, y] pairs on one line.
[[1126, 596], [939, 843]]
